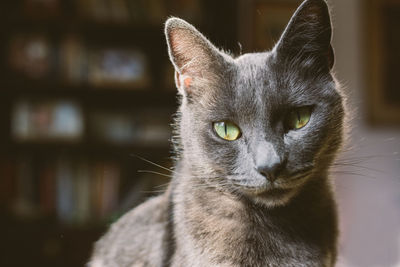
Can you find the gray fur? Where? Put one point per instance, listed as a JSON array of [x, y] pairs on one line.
[[219, 209]]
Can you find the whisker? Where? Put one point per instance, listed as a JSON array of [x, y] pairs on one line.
[[152, 191], [360, 158], [154, 172], [153, 163], [357, 166], [354, 174], [162, 185]]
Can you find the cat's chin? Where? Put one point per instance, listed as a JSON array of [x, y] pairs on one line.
[[274, 197]]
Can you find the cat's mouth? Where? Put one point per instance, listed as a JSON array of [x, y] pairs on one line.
[[265, 191], [270, 196], [281, 189], [259, 183], [274, 193]]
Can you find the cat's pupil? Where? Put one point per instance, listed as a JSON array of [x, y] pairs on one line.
[[227, 130], [298, 118]]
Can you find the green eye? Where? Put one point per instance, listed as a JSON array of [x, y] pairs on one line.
[[227, 130], [299, 118]]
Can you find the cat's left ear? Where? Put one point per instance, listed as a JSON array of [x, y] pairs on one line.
[[308, 36], [196, 60]]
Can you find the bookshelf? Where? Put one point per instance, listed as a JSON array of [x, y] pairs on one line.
[[85, 87]]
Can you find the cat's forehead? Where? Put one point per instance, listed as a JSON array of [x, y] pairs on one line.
[[249, 90], [253, 71], [253, 58], [254, 78], [264, 75], [253, 64]]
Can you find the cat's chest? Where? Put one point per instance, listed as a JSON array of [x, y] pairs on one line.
[[235, 241], [249, 246], [255, 250]]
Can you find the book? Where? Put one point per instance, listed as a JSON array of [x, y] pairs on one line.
[[73, 60], [186, 9], [65, 202], [77, 191], [46, 121], [121, 68], [97, 189], [113, 127], [67, 120], [157, 11], [8, 179], [47, 189], [25, 204], [31, 55], [137, 10], [119, 11], [41, 8], [153, 127], [99, 10], [111, 176], [83, 191]]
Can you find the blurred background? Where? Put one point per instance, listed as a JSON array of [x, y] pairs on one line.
[[86, 90]]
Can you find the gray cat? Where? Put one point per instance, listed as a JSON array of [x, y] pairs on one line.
[[256, 136]]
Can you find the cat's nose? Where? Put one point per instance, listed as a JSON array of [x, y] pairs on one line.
[[268, 162], [270, 169]]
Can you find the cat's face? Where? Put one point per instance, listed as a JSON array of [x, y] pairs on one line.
[[261, 125]]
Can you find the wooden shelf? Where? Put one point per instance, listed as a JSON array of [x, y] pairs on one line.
[[61, 26], [152, 97], [99, 148]]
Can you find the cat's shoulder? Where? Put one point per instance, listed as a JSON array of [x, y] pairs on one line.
[[154, 210], [135, 236]]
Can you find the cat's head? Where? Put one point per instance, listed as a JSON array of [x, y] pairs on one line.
[[262, 124]]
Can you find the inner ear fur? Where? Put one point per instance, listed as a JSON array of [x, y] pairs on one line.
[[189, 51], [197, 61]]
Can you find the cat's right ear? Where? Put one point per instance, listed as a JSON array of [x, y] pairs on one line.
[[195, 59], [307, 38]]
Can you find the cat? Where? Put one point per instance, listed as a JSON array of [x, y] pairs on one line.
[[255, 138]]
